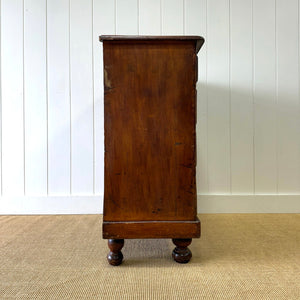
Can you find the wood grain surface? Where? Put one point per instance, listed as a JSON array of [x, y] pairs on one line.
[[150, 136]]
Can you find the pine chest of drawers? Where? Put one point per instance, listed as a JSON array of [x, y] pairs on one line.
[[150, 141]]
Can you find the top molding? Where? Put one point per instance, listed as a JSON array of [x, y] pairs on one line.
[[198, 39]]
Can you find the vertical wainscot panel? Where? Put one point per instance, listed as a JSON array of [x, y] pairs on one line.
[[218, 97], [12, 97], [35, 95], [104, 23], [81, 72], [265, 151], [241, 95], [195, 24], [149, 17], [172, 17], [127, 17], [58, 97], [288, 117]]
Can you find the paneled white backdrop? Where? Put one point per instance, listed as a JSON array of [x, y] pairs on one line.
[[248, 131]]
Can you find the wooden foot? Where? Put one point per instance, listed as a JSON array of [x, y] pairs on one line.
[[182, 254], [115, 255]]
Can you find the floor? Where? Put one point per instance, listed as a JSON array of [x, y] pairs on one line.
[[239, 256]]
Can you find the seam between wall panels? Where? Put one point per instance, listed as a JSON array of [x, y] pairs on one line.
[[253, 95], [276, 96], [1, 181], [70, 97], [24, 137], [115, 15], [183, 17], [161, 19], [138, 16], [206, 92], [47, 101], [298, 64], [93, 87], [229, 95]]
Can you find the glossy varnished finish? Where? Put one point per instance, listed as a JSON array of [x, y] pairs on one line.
[[115, 256], [181, 253], [150, 137], [151, 229]]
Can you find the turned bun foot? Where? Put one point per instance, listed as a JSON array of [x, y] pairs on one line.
[[115, 255], [182, 254]]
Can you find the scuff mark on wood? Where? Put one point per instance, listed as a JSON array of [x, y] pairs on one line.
[[189, 166], [107, 82]]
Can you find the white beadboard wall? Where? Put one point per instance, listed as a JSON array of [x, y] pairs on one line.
[[248, 130]]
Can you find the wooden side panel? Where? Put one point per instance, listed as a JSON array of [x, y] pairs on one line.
[[149, 107]]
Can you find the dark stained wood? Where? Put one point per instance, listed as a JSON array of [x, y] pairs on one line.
[[151, 229], [115, 256], [150, 37], [198, 39], [149, 131], [182, 254], [150, 136]]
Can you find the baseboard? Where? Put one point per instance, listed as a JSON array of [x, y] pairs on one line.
[[92, 204], [40, 205], [248, 203]]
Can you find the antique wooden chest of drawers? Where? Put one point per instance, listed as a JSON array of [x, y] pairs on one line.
[[150, 141]]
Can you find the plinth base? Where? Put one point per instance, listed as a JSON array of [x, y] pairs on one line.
[[151, 229], [181, 233]]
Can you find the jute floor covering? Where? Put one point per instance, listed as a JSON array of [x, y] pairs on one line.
[[239, 256]]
